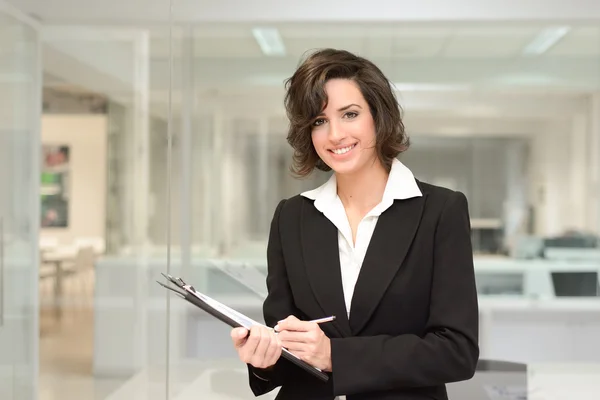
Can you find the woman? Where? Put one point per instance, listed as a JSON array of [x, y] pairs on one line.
[[386, 254]]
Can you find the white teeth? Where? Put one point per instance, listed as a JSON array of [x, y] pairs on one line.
[[343, 150]]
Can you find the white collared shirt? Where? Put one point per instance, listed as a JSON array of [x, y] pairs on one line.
[[401, 185]]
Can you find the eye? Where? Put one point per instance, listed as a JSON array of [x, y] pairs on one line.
[[318, 122], [351, 114]]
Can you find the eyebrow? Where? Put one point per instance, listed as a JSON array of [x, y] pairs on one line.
[[344, 108], [348, 106]]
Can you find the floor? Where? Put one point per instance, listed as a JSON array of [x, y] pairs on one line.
[[66, 344]]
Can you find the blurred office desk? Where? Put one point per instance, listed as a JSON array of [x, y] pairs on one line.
[[498, 380], [526, 278], [544, 330]]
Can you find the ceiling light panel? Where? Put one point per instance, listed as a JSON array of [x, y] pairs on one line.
[[545, 40], [270, 41]]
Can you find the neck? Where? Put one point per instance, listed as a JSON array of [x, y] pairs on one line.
[[363, 189]]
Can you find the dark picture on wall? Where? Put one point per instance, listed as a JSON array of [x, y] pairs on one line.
[[55, 187]]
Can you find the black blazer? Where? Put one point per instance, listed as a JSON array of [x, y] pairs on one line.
[[414, 316]]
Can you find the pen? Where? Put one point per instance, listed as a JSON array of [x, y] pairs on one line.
[[317, 321], [321, 320]]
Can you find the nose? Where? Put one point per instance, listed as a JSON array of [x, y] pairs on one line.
[[335, 133]]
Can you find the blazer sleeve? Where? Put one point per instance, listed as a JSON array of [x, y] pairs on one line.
[[278, 305], [448, 351]]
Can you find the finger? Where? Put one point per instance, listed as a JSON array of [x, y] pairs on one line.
[[294, 346], [274, 350], [265, 342], [289, 318], [258, 357], [294, 336], [249, 347], [238, 335], [294, 324]]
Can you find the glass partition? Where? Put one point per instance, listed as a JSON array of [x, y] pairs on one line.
[[19, 211], [491, 113], [107, 104], [171, 135]]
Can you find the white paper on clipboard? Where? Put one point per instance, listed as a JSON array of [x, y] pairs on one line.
[[240, 318]]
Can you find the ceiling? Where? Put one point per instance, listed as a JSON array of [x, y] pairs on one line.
[[383, 40], [473, 69], [184, 11], [226, 58]]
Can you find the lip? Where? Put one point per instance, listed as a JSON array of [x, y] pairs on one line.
[[342, 147]]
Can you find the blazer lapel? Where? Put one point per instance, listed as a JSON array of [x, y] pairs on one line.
[[321, 255], [394, 233]]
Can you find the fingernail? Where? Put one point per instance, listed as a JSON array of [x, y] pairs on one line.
[[276, 328]]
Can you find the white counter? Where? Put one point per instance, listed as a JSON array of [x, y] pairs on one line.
[[130, 315]]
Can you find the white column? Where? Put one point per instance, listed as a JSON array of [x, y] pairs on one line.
[[185, 149], [264, 173], [206, 179], [593, 183], [536, 184], [516, 204], [218, 184], [577, 186], [140, 156], [549, 160], [140, 191]]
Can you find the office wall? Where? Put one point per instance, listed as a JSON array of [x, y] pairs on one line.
[[86, 137], [527, 172], [562, 191], [476, 166]]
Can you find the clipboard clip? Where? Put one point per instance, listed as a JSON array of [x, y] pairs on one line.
[[181, 288], [179, 282]]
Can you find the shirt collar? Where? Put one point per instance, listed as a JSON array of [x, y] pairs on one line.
[[401, 185]]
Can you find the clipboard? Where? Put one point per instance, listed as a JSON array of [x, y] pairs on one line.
[[231, 317]]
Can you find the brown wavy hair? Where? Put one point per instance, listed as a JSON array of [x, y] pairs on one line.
[[305, 99]]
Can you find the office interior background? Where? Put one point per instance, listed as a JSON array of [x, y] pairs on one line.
[[138, 137]]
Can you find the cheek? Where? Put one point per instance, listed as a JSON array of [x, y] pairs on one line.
[[318, 141], [365, 132]]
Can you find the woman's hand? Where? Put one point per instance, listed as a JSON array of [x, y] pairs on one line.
[[260, 348], [306, 340]]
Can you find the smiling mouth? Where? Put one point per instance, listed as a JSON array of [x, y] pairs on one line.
[[343, 150]]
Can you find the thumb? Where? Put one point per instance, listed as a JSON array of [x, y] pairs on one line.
[[238, 334]]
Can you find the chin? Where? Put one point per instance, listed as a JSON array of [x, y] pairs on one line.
[[344, 168]]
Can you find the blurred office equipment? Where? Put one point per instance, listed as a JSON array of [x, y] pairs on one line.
[[576, 284], [507, 284], [572, 239], [572, 246], [493, 380], [527, 248]]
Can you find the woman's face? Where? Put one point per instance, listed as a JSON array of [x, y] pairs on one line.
[[344, 134]]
